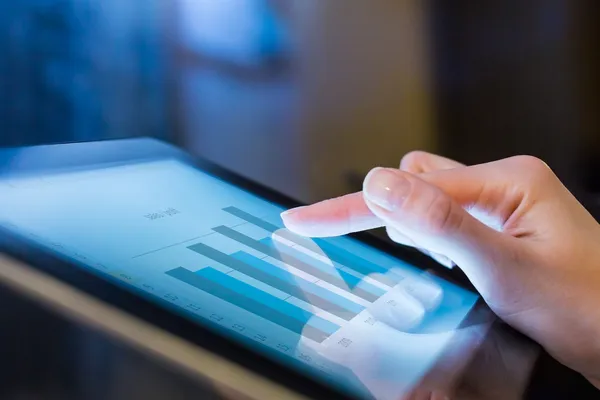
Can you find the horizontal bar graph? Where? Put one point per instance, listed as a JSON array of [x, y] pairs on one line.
[[333, 288], [341, 256], [257, 302], [336, 277], [355, 262], [309, 289], [284, 281], [303, 256], [269, 227]]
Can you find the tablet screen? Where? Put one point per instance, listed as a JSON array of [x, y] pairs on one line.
[[339, 309]]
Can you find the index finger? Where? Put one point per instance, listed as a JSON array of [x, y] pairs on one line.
[[466, 185], [333, 217], [348, 214]]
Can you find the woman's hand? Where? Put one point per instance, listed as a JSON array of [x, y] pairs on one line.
[[524, 241]]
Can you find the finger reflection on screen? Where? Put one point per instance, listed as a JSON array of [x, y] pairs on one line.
[[405, 323]]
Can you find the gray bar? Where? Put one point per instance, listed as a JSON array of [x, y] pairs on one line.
[[309, 269], [273, 281], [248, 304], [251, 218], [336, 254]]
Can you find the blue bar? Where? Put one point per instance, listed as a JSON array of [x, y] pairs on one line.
[[252, 219], [268, 300], [283, 281], [240, 265], [351, 280], [351, 260], [309, 265], [341, 256], [304, 285], [214, 282], [298, 255]]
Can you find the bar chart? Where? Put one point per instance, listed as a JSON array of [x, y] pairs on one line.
[[334, 253], [219, 256], [314, 284]]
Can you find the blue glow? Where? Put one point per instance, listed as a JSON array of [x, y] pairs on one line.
[[237, 31], [205, 248]]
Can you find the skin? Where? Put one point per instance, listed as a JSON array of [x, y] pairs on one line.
[[528, 246]]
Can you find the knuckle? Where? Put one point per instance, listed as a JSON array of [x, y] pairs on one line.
[[442, 216], [413, 160], [345, 213], [532, 167], [342, 207]]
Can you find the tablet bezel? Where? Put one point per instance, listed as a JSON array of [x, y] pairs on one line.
[[54, 158]]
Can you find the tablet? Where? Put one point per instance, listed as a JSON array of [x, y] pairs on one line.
[[203, 254]]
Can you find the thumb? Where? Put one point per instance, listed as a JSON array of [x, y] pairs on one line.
[[436, 222]]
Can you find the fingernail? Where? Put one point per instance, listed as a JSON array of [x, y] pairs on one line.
[[289, 215], [290, 212], [386, 188]]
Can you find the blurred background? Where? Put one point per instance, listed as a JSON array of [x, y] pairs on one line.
[[308, 95], [303, 95]]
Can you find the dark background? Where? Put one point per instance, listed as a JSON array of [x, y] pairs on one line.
[[518, 77], [304, 95]]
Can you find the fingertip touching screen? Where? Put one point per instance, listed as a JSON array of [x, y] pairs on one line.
[[338, 309]]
